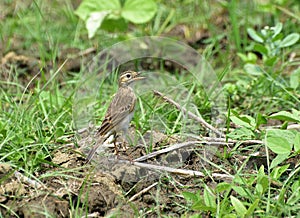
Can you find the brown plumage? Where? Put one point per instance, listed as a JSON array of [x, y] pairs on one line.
[[119, 112]]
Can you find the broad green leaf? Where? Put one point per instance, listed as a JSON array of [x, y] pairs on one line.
[[88, 6], [270, 61], [241, 133], [139, 11], [200, 205], [278, 141], [260, 119], [238, 206], [241, 191], [94, 22], [297, 142], [277, 29], [59, 132], [252, 33], [289, 40], [253, 69], [242, 120], [279, 159], [262, 181], [295, 79], [296, 112], [223, 186], [261, 49], [190, 196], [209, 198], [250, 57], [259, 190], [251, 209], [113, 25], [278, 171], [285, 116], [243, 57]]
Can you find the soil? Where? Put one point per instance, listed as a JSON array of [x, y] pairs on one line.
[[108, 186]]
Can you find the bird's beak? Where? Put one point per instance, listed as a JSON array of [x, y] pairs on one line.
[[139, 77]]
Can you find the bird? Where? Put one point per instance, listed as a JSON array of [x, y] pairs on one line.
[[119, 112]]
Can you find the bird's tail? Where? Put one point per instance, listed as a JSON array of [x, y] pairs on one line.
[[92, 152]]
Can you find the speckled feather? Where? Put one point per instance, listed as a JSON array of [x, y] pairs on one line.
[[119, 112], [121, 106]]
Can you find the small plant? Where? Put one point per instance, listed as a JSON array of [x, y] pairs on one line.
[[113, 14], [265, 64], [269, 42], [282, 141]]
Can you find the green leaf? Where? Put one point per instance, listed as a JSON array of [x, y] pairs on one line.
[[113, 25], [94, 22], [295, 78], [242, 120], [250, 57], [200, 205], [238, 206], [297, 142], [251, 209], [277, 29], [260, 119], [253, 69], [241, 133], [254, 35], [209, 198], [285, 116], [240, 190], [59, 132], [139, 11], [223, 186], [278, 141], [190, 196], [261, 49], [259, 190], [278, 171], [289, 40], [279, 159], [271, 61], [88, 6]]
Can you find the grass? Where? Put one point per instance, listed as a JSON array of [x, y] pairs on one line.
[[37, 118]]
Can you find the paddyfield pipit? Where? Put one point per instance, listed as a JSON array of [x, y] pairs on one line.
[[119, 112]]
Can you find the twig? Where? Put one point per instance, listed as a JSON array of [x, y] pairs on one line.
[[168, 149], [208, 140], [190, 114], [95, 214], [176, 147], [293, 126], [175, 171], [27, 180], [142, 192], [231, 141]]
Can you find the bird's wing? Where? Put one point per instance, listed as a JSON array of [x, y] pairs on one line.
[[121, 106]]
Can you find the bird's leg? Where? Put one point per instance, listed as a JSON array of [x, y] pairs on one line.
[[124, 147], [125, 140], [115, 144]]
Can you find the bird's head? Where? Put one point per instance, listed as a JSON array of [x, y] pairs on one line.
[[128, 77]]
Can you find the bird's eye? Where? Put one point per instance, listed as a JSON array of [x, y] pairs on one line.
[[128, 75]]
